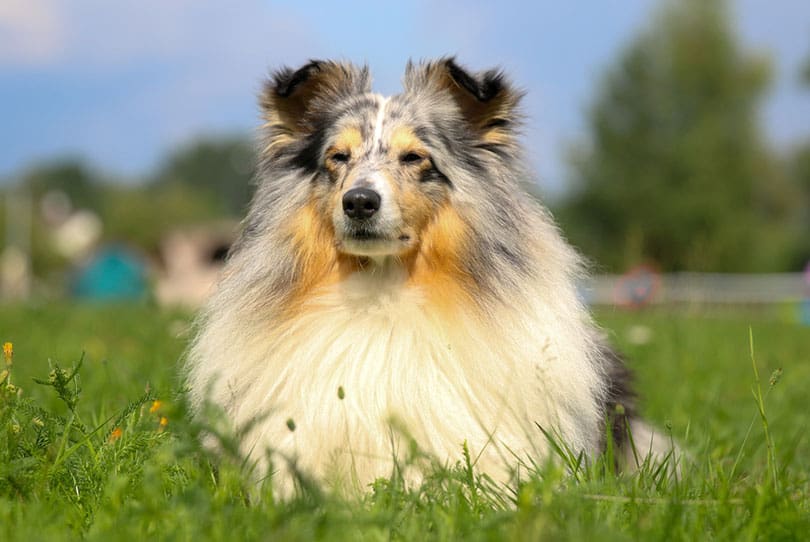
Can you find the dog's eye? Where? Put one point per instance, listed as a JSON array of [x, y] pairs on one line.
[[411, 158], [340, 157]]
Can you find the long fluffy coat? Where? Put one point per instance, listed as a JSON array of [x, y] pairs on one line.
[[470, 331]]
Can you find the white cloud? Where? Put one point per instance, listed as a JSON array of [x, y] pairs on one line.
[[93, 36], [168, 74], [31, 32]]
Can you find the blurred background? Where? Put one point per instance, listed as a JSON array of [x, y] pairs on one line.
[[670, 138]]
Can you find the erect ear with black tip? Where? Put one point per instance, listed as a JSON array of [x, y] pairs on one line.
[[486, 100], [292, 100]]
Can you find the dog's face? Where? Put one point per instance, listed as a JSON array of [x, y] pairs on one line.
[[379, 184], [378, 167]]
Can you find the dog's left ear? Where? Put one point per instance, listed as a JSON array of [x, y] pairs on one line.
[[486, 100]]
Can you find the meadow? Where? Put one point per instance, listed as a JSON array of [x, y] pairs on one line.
[[97, 444]]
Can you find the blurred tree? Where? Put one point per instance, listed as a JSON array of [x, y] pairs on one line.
[[222, 168], [70, 176], [676, 170], [206, 181], [800, 169], [806, 72], [142, 216]]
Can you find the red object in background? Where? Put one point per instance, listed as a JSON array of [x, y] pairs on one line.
[[637, 287]]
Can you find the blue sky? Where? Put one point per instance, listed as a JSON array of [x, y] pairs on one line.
[[120, 83]]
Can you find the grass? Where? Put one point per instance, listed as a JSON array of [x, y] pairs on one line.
[[89, 453]]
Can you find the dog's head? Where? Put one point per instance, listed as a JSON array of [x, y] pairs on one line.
[[381, 171]]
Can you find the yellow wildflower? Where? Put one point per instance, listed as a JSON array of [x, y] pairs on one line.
[[8, 352], [164, 421], [156, 404], [115, 434]]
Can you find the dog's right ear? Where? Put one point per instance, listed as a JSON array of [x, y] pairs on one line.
[[292, 100]]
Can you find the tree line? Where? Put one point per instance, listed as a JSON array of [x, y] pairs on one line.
[[676, 170], [206, 180]]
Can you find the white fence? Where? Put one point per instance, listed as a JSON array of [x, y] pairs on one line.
[[645, 287]]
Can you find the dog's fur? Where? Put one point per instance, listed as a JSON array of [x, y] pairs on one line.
[[450, 316]]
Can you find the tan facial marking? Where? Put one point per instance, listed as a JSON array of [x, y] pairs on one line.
[[349, 139], [347, 142], [497, 137], [403, 141], [436, 265], [319, 263]]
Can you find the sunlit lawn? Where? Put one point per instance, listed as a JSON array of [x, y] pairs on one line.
[[108, 470]]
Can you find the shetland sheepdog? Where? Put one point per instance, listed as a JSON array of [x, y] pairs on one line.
[[394, 285]]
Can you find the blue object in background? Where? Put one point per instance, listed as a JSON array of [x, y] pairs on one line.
[[804, 311], [113, 273]]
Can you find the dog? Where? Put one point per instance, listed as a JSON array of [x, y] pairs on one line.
[[394, 286]]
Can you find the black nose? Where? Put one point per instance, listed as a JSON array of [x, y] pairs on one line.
[[361, 203]]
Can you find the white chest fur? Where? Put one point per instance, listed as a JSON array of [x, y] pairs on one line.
[[369, 362]]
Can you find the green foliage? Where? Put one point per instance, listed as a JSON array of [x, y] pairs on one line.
[[222, 168], [84, 454], [676, 170], [205, 181], [70, 176], [800, 171], [142, 216]]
